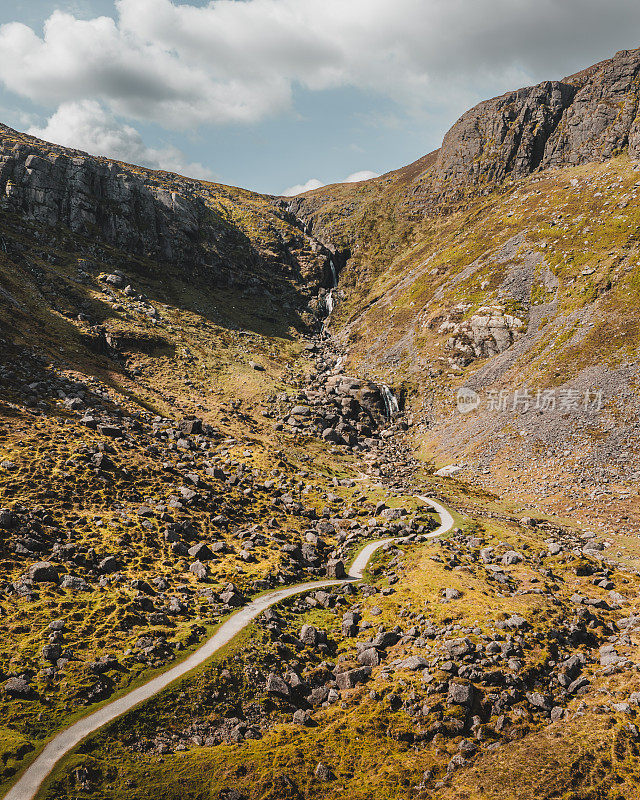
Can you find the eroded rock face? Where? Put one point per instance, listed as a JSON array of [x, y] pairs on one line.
[[501, 137], [486, 333], [152, 215], [591, 116]]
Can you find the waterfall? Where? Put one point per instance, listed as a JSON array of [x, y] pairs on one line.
[[391, 407], [329, 302], [334, 274]]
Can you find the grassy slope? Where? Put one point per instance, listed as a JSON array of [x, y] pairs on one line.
[[362, 741], [575, 228]]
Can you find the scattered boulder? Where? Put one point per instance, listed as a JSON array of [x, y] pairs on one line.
[[335, 569], [460, 694], [323, 773], [352, 677], [74, 583], [199, 569], [43, 572], [276, 685], [18, 687]]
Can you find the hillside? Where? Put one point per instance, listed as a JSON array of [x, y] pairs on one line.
[[194, 414], [507, 261]]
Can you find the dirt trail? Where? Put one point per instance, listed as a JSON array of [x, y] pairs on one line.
[[29, 783]]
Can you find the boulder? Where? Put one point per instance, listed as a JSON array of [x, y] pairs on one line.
[[413, 663], [335, 569], [539, 701], [369, 657], [459, 647], [323, 773], [386, 639], [460, 694], [18, 687], [108, 565], [199, 569], [309, 635], [352, 677], [201, 552], [43, 572], [74, 584], [511, 557], [275, 685], [51, 652], [232, 598]]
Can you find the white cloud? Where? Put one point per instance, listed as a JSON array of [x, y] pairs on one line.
[[299, 188], [86, 125], [184, 65], [314, 183], [363, 175]]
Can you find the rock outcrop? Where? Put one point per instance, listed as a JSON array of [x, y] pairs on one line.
[[487, 332], [200, 228], [592, 116], [588, 117]]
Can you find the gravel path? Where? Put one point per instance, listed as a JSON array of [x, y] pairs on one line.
[[29, 783]]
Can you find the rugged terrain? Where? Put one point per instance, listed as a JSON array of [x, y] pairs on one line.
[[192, 412]]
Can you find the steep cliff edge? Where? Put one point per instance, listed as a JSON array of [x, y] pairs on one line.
[[228, 236]]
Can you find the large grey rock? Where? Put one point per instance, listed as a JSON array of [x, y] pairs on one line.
[[108, 565], [413, 663], [323, 773], [199, 569], [201, 552], [540, 701], [74, 583], [335, 569], [369, 657], [309, 635], [459, 647], [275, 685], [18, 687], [460, 694], [43, 572], [352, 677], [386, 639]]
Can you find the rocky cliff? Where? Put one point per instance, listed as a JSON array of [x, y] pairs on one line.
[[588, 117], [227, 236]]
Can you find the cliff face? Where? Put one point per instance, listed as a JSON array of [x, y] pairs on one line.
[[227, 236], [592, 117]]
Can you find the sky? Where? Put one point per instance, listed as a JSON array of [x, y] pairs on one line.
[[280, 96]]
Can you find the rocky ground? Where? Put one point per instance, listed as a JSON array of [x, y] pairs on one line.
[[453, 651]]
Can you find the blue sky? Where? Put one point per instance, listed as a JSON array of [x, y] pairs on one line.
[[270, 94]]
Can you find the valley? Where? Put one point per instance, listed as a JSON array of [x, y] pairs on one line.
[[232, 564]]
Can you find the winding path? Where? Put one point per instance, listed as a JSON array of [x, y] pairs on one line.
[[32, 778]]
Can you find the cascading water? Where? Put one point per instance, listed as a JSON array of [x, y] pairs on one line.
[[329, 302], [334, 274], [391, 407]]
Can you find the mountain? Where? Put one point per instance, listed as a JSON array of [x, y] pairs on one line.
[[505, 261], [207, 395]]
